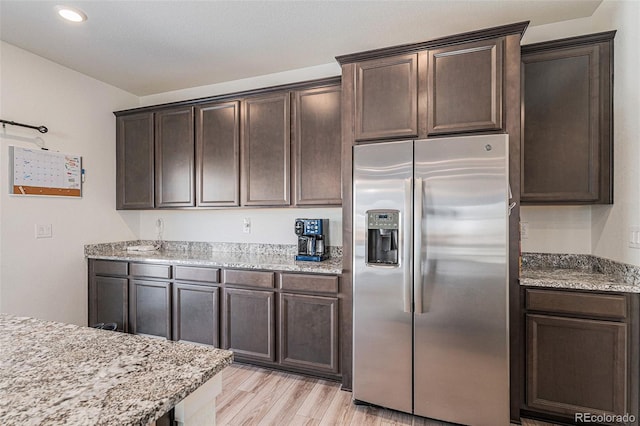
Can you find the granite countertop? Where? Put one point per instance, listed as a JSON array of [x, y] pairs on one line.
[[575, 279], [580, 272], [249, 256], [55, 374]]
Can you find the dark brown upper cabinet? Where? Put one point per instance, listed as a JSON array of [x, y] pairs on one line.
[[317, 146], [567, 103], [175, 158], [266, 151], [250, 148], [387, 98], [218, 154], [464, 86], [134, 158]]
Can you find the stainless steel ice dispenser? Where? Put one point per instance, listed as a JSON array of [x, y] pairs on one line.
[[382, 237]]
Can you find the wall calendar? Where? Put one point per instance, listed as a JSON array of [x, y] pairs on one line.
[[40, 172]]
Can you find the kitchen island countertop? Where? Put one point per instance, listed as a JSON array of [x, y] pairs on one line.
[[54, 373]]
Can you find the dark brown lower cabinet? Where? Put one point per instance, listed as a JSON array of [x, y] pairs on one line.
[[576, 365], [309, 332], [284, 320], [195, 313], [250, 323], [109, 293], [580, 354], [150, 308], [108, 300]]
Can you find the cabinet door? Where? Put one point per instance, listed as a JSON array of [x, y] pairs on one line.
[[387, 98], [309, 332], [464, 85], [175, 158], [566, 147], [218, 154], [250, 323], [108, 301], [150, 308], [195, 313], [266, 151], [318, 146], [576, 365], [134, 162]]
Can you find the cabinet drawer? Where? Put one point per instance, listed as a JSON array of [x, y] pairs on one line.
[[109, 267], [600, 305], [189, 273], [249, 278], [153, 271], [314, 283]]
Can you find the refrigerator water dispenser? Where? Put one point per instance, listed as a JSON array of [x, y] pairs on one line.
[[382, 237]]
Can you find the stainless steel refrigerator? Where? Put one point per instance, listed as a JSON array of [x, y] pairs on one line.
[[430, 229]]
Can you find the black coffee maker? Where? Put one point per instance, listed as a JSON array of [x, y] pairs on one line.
[[313, 235]]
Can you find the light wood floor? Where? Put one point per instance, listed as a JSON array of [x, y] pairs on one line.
[[256, 396]]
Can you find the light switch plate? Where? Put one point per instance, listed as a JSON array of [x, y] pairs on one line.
[[524, 230], [246, 225], [44, 231]]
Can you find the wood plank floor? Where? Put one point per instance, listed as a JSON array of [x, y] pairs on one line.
[[255, 396]]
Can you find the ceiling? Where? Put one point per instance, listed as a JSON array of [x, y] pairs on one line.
[[149, 47]]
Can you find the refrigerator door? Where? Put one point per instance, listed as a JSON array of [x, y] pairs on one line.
[[461, 371], [382, 319]]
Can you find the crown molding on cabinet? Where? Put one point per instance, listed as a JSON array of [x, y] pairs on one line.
[[487, 33]]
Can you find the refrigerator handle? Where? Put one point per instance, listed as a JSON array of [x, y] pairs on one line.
[[417, 247], [406, 247]]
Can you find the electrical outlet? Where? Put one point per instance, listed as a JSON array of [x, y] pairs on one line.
[[246, 225], [44, 231], [634, 237], [524, 230], [159, 228]]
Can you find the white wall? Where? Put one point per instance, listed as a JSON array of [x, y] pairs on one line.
[[268, 225], [310, 73], [562, 229], [273, 226], [47, 278]]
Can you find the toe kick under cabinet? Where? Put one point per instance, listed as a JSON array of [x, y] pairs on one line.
[[282, 320]]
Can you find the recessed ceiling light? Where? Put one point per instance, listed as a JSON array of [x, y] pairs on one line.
[[71, 14]]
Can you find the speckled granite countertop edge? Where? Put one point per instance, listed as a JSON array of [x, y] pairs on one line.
[[331, 266], [579, 272], [272, 257], [594, 285]]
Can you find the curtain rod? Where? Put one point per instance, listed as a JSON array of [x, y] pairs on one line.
[[41, 129]]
